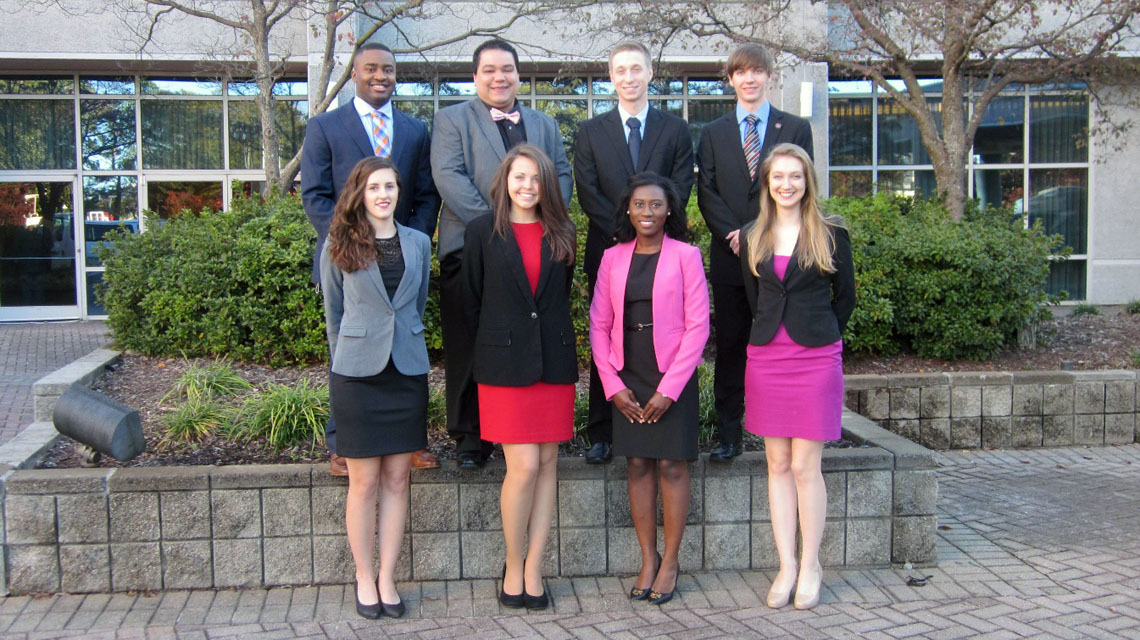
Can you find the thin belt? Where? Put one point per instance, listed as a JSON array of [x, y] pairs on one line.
[[639, 326]]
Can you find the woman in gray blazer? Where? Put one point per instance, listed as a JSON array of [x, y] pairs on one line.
[[374, 272]]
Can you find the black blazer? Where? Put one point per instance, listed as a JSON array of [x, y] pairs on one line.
[[813, 306], [727, 195], [520, 337], [336, 140], [602, 168]]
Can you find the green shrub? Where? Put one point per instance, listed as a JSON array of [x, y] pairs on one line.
[[1134, 356], [707, 403], [437, 407], [195, 419], [232, 283], [1133, 307], [1085, 309], [215, 379], [945, 289], [286, 416]]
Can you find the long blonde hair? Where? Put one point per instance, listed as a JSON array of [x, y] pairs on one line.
[[817, 229]]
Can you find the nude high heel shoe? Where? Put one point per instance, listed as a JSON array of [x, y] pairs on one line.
[[780, 593], [807, 595]]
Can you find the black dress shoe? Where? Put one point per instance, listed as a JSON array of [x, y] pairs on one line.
[[511, 601], [536, 602], [393, 610], [370, 611], [470, 460], [662, 598], [725, 452], [599, 453]]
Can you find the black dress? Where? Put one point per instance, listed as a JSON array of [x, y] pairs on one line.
[[384, 414], [674, 436]]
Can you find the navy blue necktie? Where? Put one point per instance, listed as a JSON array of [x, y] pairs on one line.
[[634, 139]]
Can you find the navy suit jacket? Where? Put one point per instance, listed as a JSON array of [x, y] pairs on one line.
[[336, 140]]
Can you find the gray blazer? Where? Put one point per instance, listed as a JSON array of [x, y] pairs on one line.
[[360, 317], [466, 151]]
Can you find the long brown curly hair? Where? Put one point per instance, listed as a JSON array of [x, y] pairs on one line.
[[557, 230], [350, 240]]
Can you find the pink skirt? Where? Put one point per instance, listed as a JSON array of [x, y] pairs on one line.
[[793, 391]]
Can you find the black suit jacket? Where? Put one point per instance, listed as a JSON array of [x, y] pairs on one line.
[[520, 337], [813, 306], [727, 195], [336, 140], [602, 167]]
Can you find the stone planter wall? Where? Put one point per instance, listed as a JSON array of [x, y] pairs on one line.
[[98, 530], [1001, 410]]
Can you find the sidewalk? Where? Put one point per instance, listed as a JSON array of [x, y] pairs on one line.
[[1037, 543], [29, 351]]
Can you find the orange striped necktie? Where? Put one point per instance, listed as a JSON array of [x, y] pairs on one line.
[[380, 134]]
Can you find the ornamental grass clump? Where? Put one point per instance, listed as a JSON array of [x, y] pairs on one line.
[[284, 416], [196, 419], [216, 379]]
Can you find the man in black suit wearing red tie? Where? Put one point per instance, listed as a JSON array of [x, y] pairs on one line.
[[728, 193], [336, 140], [609, 149]]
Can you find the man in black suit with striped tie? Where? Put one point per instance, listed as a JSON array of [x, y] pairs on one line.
[[728, 193]]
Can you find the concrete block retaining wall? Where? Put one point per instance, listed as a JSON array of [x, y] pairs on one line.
[[1001, 410], [98, 530]]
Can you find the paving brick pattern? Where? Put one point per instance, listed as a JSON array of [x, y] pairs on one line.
[[28, 351], [1038, 543]]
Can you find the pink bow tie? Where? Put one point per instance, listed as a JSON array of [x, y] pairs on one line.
[[497, 115]]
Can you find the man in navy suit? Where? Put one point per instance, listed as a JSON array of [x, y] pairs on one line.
[[731, 150], [335, 141], [610, 148]]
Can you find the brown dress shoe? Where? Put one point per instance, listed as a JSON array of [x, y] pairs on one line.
[[338, 468], [424, 459]]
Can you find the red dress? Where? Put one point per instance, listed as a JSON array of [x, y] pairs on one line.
[[540, 412]]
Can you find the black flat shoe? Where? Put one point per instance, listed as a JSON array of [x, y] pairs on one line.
[[599, 453], [511, 601], [393, 610], [370, 611], [537, 602], [725, 452], [637, 593], [470, 460]]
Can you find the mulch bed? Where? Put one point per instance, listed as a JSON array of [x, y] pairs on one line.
[[1086, 342]]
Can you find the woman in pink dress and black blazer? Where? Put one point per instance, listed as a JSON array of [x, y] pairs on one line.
[[800, 282], [649, 322]]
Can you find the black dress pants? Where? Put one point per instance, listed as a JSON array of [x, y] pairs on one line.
[[733, 321], [600, 422], [461, 394]]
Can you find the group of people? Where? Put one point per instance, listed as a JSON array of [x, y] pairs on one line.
[[496, 175]]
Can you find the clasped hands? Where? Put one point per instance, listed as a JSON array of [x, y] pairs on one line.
[[634, 412]]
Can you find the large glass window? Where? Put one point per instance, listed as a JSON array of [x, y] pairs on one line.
[[37, 134], [108, 134], [245, 131], [169, 199], [179, 134], [37, 245], [1030, 154]]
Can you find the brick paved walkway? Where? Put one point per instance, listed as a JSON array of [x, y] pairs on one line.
[[28, 351], [1032, 544]]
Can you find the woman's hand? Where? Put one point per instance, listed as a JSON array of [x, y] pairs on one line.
[[656, 407], [628, 405]]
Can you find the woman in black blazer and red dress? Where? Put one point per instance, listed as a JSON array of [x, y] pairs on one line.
[[519, 263], [800, 282]]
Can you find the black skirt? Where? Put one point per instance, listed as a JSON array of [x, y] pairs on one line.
[[379, 415]]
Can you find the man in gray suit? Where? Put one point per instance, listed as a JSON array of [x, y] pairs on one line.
[[468, 144]]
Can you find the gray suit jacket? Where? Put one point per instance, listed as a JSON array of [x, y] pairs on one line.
[[365, 327], [466, 151]]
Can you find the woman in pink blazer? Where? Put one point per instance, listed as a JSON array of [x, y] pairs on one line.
[[649, 321]]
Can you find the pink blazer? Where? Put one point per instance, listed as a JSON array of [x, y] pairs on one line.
[[680, 315]]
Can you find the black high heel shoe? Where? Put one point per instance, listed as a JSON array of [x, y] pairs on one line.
[[656, 597], [637, 593], [512, 601], [370, 611], [391, 610]]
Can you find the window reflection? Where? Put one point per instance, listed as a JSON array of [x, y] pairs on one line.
[[849, 130], [899, 139], [108, 134], [1059, 199], [1001, 135], [245, 131], [1000, 188], [1059, 128], [37, 237], [182, 134], [37, 134], [916, 184], [107, 86], [171, 199], [850, 184], [25, 85]]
